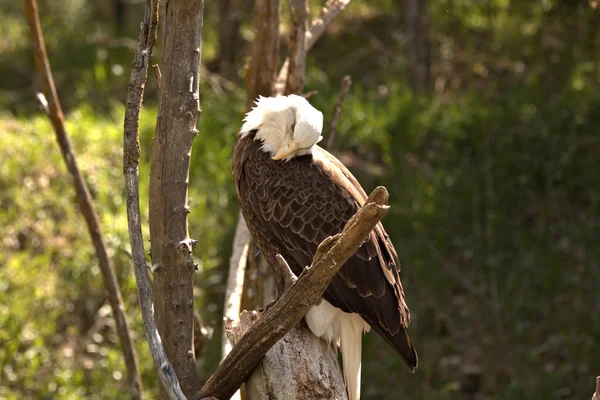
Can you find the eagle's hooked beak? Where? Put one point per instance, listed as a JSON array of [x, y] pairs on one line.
[[285, 150]]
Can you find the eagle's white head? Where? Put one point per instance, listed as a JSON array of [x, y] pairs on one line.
[[288, 125]]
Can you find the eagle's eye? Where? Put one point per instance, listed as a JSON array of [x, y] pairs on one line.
[[293, 127]]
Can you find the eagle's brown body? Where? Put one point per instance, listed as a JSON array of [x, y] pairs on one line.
[[290, 207]]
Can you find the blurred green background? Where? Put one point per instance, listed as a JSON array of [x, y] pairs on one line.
[[492, 160]]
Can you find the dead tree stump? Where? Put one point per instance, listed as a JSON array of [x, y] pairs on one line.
[[297, 367]]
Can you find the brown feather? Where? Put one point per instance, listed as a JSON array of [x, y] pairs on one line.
[[290, 207]]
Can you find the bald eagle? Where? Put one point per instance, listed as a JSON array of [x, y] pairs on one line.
[[293, 195]]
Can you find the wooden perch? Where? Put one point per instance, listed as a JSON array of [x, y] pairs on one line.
[[317, 28], [131, 156], [337, 112], [299, 366], [295, 302], [86, 204]]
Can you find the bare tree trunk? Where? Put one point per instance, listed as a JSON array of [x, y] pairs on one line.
[[416, 22], [297, 367], [297, 68], [172, 247], [229, 36], [260, 75], [131, 158]]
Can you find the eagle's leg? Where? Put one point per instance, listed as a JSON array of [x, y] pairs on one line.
[[284, 277]]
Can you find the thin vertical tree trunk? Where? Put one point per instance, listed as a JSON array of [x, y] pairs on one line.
[[172, 247], [416, 22], [84, 198], [260, 75], [131, 158], [297, 68], [229, 36]]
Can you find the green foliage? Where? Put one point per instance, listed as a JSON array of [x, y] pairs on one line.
[[57, 337], [493, 184]]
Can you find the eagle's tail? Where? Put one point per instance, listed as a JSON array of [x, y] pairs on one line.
[[351, 331], [401, 343]]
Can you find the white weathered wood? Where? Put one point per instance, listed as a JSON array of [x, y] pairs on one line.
[[235, 283], [235, 278], [299, 366]]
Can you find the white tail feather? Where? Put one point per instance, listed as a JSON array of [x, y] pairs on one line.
[[345, 330], [351, 332]]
